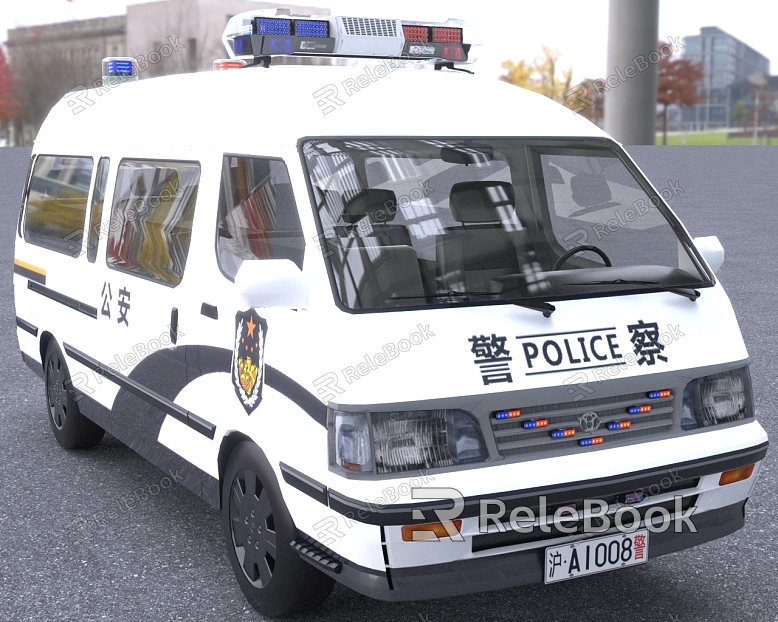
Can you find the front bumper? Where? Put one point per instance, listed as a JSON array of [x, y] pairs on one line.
[[496, 561]]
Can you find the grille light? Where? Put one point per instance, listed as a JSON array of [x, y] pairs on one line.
[[595, 440], [655, 395], [563, 433], [639, 410], [619, 425], [508, 414], [535, 423]]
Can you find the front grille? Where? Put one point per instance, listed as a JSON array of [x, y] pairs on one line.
[[369, 26], [513, 439]]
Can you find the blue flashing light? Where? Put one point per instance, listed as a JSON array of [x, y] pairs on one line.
[[619, 425], [535, 423], [508, 414], [273, 26], [240, 44], [119, 68], [655, 395], [310, 28], [586, 442], [563, 433], [280, 46]]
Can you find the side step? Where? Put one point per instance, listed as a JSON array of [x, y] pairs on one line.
[[315, 555]]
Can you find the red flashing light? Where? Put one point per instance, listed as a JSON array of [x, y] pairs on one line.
[[418, 34], [446, 35]]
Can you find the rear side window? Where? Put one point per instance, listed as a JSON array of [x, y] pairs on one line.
[[56, 203], [258, 216], [151, 219]]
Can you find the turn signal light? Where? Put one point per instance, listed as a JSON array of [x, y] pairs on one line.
[[736, 475], [430, 532]]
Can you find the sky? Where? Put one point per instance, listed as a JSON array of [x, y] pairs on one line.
[[516, 30]]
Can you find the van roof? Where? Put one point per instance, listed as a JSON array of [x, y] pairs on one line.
[[231, 110]]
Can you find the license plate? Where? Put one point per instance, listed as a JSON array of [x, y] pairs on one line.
[[586, 557]]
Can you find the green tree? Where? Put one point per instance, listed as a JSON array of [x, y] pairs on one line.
[[739, 112], [542, 76]]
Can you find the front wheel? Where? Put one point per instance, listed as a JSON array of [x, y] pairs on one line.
[[259, 530], [71, 429]]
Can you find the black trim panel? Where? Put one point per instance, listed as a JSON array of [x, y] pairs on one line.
[[30, 274], [303, 483], [295, 392], [155, 399], [26, 326], [63, 299], [209, 311], [402, 514]]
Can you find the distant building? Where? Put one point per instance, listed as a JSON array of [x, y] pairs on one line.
[[197, 25], [726, 60], [172, 36]]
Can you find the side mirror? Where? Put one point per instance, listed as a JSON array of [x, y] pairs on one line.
[[272, 283], [712, 250]]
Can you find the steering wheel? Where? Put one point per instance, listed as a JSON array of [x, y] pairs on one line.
[[578, 249]]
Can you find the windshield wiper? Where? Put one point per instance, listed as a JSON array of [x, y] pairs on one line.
[[691, 294], [545, 308]]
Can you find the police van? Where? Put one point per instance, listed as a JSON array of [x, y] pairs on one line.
[[413, 330]]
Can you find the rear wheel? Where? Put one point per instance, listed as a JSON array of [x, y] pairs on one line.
[[259, 529], [71, 429]]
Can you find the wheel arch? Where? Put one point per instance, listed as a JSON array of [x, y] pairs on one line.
[[230, 441], [46, 339]]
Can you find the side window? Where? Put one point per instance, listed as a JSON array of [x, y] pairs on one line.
[[151, 219], [258, 216], [56, 203], [96, 213]]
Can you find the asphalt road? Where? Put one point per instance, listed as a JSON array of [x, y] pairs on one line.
[[164, 560]]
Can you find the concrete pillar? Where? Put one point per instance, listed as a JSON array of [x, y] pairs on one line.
[[630, 104]]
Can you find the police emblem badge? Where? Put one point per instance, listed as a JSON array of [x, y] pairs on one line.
[[248, 358]]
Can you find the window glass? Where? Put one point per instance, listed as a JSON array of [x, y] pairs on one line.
[[56, 203], [440, 222], [96, 213], [258, 217], [151, 219]]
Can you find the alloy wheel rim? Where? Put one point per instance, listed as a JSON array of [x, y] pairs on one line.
[[57, 397], [253, 528]]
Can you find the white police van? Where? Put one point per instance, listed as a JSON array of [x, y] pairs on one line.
[[412, 330]]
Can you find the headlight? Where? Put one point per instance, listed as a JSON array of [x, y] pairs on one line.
[[719, 398], [406, 440]]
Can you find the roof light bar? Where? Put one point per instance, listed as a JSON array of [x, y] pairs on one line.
[[119, 69], [269, 32]]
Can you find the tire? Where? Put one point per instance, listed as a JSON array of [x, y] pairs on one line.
[[71, 429], [272, 576]]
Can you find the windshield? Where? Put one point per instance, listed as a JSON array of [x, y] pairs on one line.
[[416, 223]]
